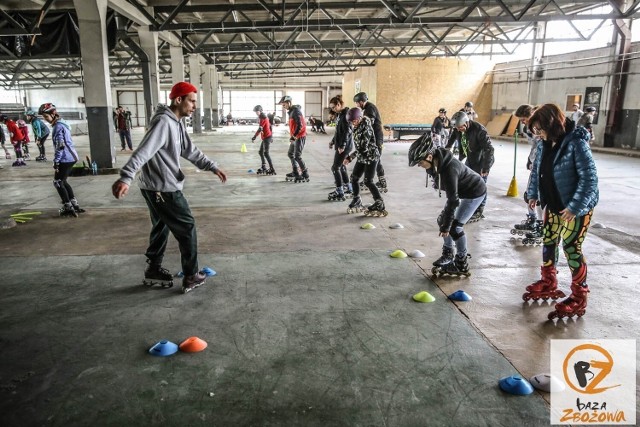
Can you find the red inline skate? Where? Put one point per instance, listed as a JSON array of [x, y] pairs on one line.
[[546, 287], [575, 305]]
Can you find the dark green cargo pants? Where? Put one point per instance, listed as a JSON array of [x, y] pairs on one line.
[[170, 212]]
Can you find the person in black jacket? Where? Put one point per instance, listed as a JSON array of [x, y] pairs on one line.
[[342, 142], [465, 191], [370, 110], [475, 147]]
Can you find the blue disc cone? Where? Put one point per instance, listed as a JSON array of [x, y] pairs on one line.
[[208, 271], [163, 348], [460, 295], [517, 385]]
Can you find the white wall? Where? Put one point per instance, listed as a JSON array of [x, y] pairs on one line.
[[64, 99]]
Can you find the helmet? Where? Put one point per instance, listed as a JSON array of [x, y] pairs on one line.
[[420, 149], [590, 109], [3, 117], [442, 110], [459, 118], [360, 97], [31, 113], [21, 123], [354, 114], [257, 108], [47, 108], [468, 104], [284, 99]]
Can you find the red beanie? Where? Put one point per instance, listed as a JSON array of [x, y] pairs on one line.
[[181, 89]]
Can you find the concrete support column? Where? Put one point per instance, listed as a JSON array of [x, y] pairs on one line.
[[206, 97], [215, 97], [194, 78], [149, 43], [177, 64], [92, 18]]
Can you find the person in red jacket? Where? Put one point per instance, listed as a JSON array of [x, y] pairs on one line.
[[264, 130], [298, 132], [17, 139]]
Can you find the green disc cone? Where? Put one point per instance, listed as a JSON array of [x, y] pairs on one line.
[[423, 296], [367, 226]]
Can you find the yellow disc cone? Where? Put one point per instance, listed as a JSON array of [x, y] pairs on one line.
[[513, 188], [423, 296], [367, 226], [243, 149], [398, 254]]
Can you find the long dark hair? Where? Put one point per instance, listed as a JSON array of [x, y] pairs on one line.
[[337, 100], [551, 119]]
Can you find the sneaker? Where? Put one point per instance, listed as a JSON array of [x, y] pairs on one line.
[[189, 283]]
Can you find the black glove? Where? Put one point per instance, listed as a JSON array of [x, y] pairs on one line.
[[292, 139], [253, 139]]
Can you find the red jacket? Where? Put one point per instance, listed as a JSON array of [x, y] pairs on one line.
[[264, 128], [14, 131]]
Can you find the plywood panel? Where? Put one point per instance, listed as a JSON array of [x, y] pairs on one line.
[[512, 126], [497, 125]]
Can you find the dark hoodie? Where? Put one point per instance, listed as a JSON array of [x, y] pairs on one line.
[[457, 181]]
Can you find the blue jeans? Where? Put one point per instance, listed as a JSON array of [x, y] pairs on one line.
[[460, 217]]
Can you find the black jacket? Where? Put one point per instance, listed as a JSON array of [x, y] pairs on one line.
[[343, 138], [457, 181], [371, 111], [480, 152]]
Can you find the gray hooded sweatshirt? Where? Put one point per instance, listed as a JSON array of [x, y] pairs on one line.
[[158, 155]]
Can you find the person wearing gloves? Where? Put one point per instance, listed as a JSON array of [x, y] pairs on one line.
[[161, 180], [465, 190]]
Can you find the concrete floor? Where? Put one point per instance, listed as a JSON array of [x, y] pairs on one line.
[[309, 321]]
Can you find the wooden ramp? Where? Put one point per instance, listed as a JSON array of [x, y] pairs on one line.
[[498, 124]]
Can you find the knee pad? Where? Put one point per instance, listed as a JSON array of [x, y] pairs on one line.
[[368, 181], [453, 231], [57, 183]]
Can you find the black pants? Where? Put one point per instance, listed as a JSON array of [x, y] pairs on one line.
[[380, 169], [40, 142], [295, 154], [60, 182], [369, 171], [170, 212], [264, 151], [339, 170], [125, 134]]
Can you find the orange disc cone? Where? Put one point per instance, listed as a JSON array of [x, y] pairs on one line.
[[193, 345]]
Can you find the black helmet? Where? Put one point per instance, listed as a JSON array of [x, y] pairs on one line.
[[257, 108], [284, 99], [420, 149], [442, 110], [468, 104], [590, 109], [360, 97], [459, 118]]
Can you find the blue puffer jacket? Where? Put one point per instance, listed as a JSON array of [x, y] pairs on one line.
[[65, 152], [574, 172]]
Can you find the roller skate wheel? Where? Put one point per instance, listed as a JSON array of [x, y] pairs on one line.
[[514, 231], [526, 297], [552, 315]]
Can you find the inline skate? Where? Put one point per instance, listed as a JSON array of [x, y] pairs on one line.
[[526, 226], [154, 274], [546, 287], [303, 177], [535, 237], [270, 171], [262, 170], [291, 176], [189, 283], [363, 187], [348, 192], [376, 209], [355, 205], [477, 216], [446, 258], [68, 211], [575, 305], [76, 206], [382, 184], [41, 158], [336, 196], [458, 268], [19, 162]]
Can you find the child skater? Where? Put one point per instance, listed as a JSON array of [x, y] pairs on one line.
[[264, 130], [65, 156], [368, 155]]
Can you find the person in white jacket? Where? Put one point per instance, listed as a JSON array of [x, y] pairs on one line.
[[157, 157]]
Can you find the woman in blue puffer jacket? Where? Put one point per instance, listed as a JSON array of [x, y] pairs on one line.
[[565, 181]]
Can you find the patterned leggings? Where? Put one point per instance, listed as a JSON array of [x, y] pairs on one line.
[[572, 234]]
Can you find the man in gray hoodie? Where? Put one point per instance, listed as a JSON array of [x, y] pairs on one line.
[[161, 181]]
